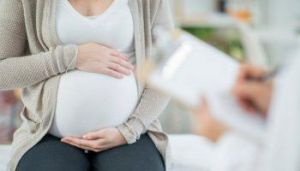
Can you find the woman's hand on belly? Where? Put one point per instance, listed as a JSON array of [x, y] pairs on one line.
[[97, 141], [96, 58]]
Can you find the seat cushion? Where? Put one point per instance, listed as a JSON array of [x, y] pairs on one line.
[[190, 153], [4, 157]]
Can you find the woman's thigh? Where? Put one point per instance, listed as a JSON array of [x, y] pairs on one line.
[[141, 156], [52, 155]]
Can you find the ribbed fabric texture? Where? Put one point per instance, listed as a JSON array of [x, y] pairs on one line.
[[31, 58]]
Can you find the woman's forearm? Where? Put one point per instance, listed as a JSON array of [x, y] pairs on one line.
[[24, 71], [17, 70], [152, 102]]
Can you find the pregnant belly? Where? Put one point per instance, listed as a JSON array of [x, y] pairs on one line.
[[88, 102]]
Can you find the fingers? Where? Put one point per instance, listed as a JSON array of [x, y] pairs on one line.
[[82, 147], [93, 135], [120, 69], [96, 58], [97, 141], [91, 145], [119, 63], [122, 63], [249, 71], [119, 55], [113, 73], [248, 94], [248, 89]]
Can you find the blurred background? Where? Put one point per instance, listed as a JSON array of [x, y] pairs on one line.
[[256, 31]]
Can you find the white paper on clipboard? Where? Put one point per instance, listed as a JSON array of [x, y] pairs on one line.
[[196, 69]]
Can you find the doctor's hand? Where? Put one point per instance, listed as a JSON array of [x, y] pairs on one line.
[[97, 141], [207, 125], [253, 94], [96, 58]]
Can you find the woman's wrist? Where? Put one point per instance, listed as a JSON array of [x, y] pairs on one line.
[[80, 51], [132, 129], [73, 64], [127, 133], [64, 58]]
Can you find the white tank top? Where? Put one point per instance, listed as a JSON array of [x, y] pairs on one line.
[[90, 101]]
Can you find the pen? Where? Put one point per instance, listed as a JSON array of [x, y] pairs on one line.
[[267, 77]]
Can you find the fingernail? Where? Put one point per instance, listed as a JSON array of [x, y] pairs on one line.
[[84, 137]]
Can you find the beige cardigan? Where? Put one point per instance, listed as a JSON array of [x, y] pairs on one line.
[[33, 58]]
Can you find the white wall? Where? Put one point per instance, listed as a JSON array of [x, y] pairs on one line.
[[282, 15]]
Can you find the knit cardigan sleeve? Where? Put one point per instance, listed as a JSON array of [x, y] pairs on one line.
[[152, 102], [18, 70]]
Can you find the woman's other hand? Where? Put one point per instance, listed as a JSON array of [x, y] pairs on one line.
[[253, 95], [97, 141], [96, 58], [207, 125]]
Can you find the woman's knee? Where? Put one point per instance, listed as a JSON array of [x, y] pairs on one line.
[[143, 155], [50, 154]]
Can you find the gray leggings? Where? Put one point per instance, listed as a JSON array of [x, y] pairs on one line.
[[52, 155]]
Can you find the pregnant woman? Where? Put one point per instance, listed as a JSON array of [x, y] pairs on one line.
[[76, 62]]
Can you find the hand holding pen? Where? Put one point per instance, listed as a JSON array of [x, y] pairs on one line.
[[253, 89]]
